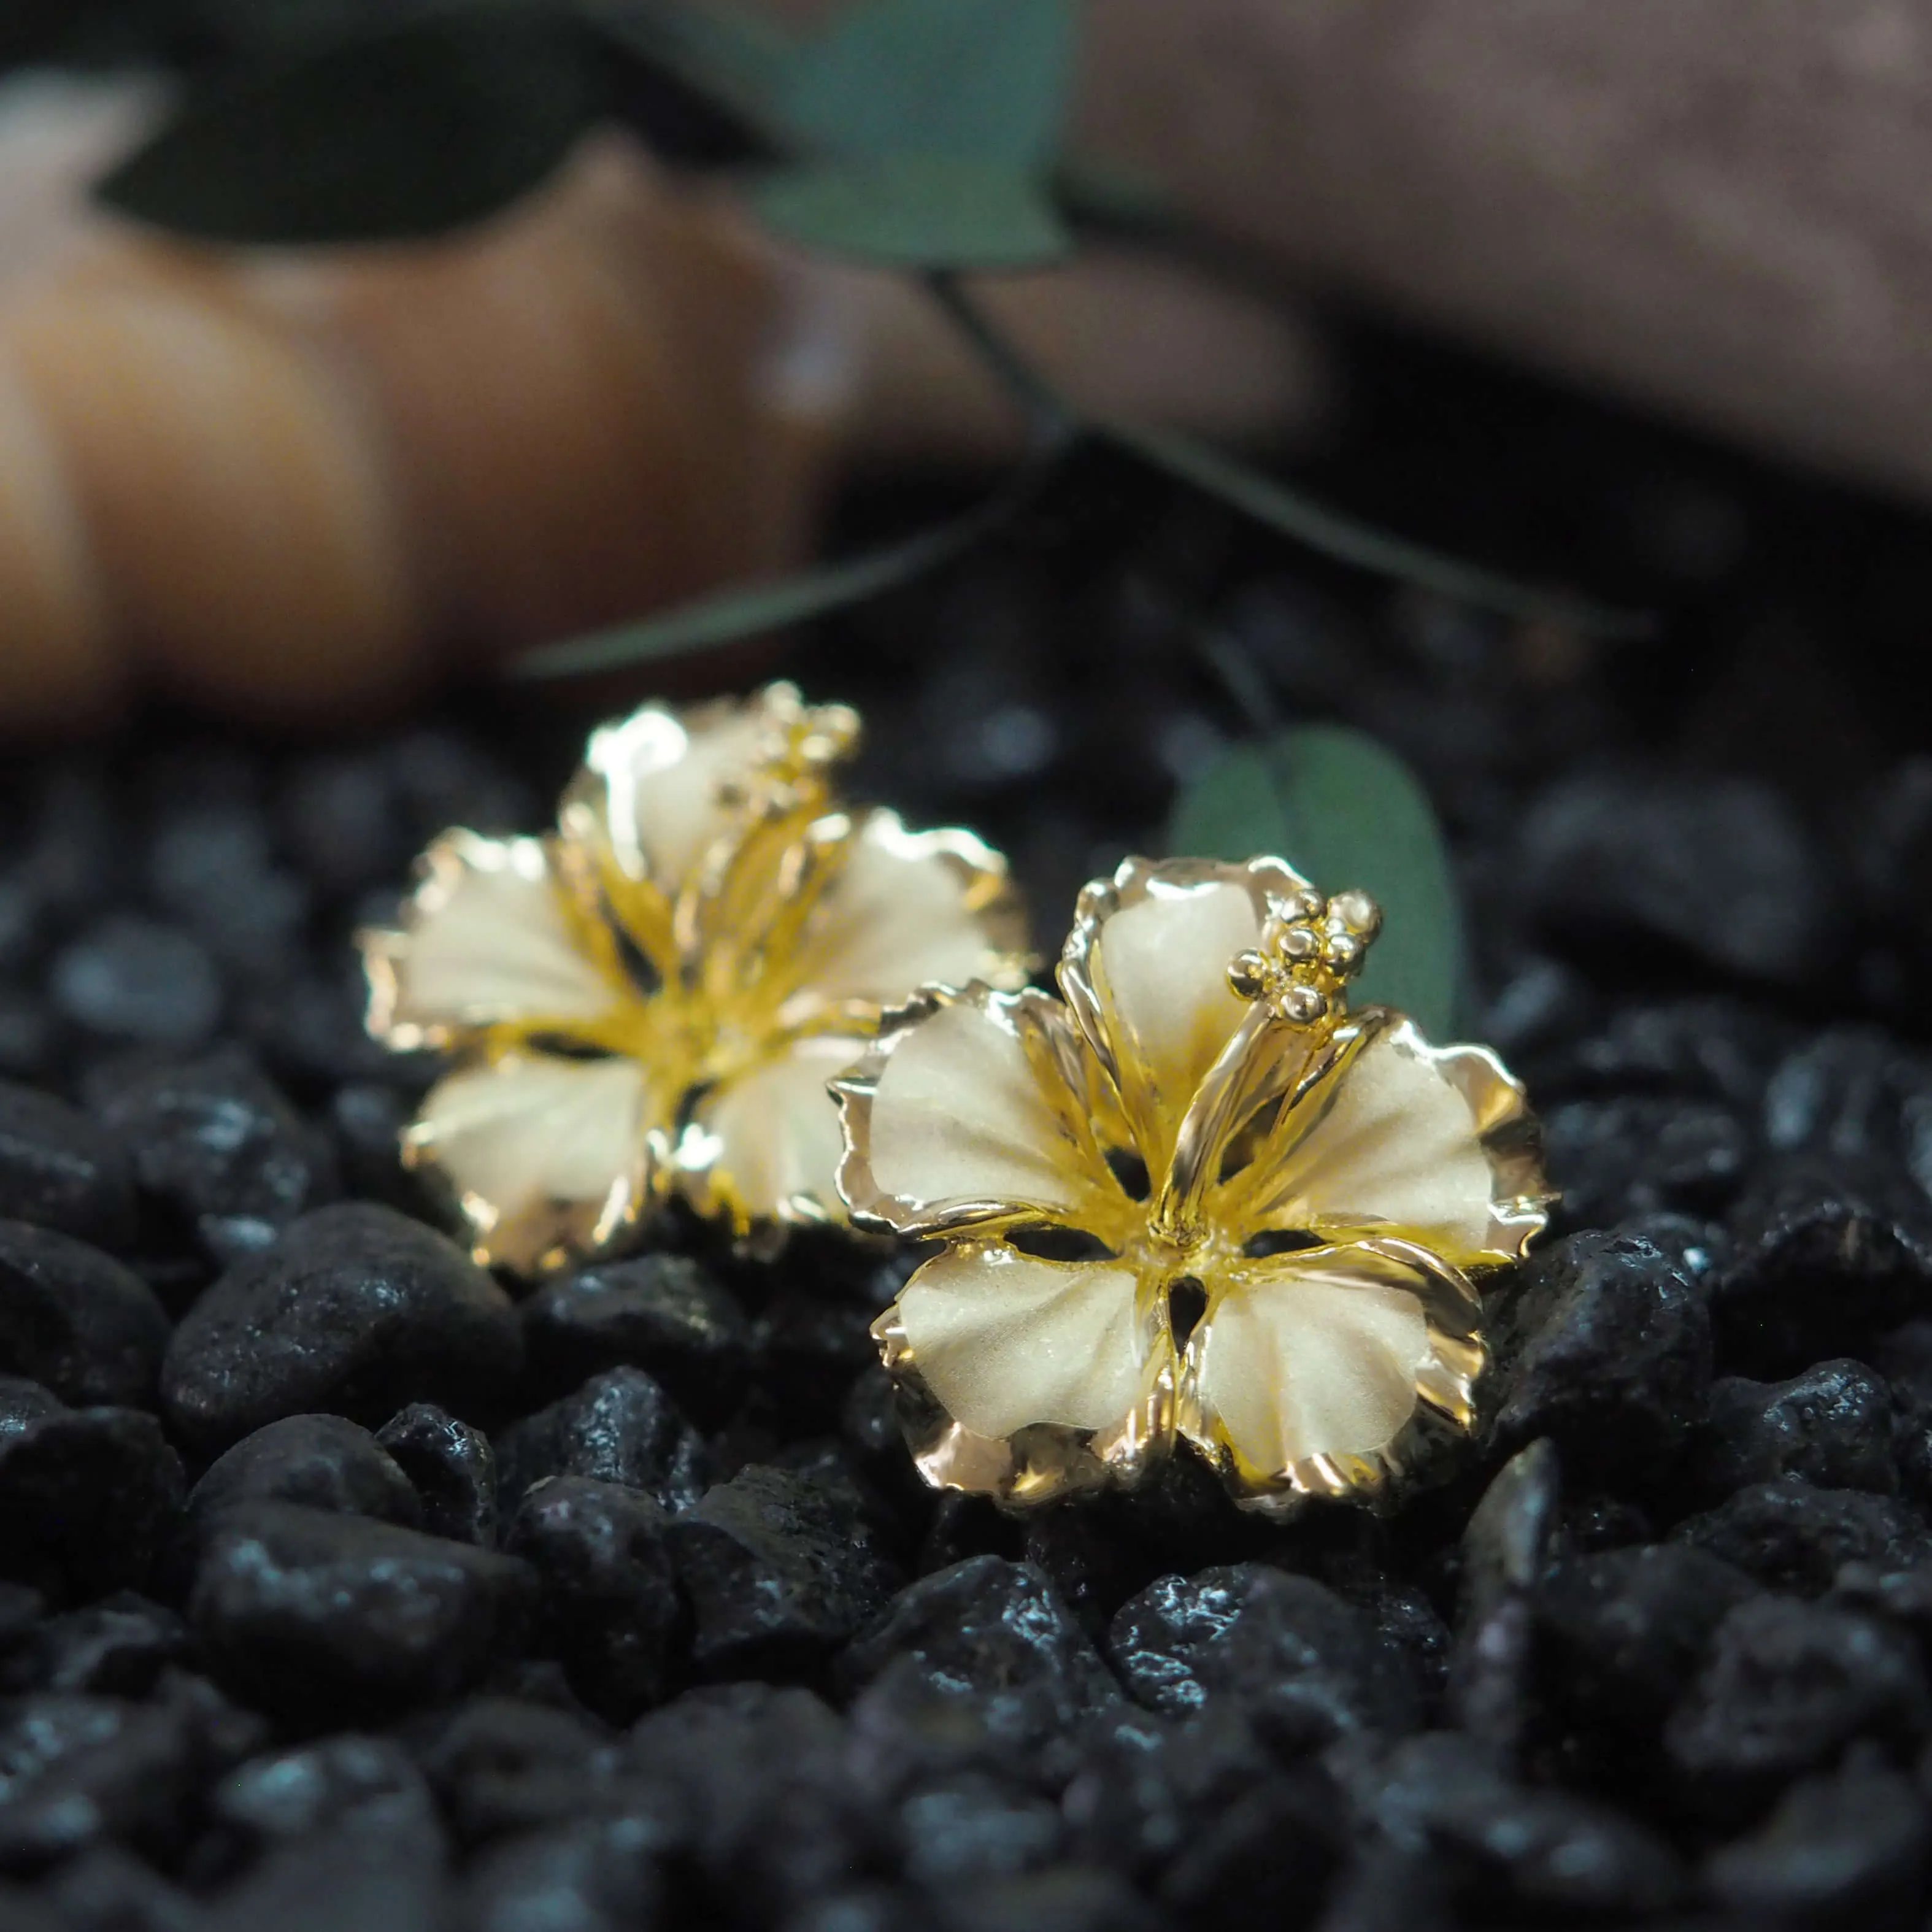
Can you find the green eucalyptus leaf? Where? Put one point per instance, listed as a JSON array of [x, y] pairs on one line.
[[915, 212], [1344, 811], [423, 128], [1349, 541], [698, 84], [712, 621], [978, 80]]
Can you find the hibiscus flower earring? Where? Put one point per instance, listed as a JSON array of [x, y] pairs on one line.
[[1200, 1201], [650, 1001]]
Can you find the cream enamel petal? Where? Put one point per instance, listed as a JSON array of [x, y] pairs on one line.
[[768, 1142], [1295, 1361], [487, 940], [907, 909], [1004, 1340], [1395, 1145], [962, 1113], [531, 1130], [1159, 967], [663, 778]]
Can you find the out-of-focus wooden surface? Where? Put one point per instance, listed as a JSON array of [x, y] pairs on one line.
[[1722, 207]]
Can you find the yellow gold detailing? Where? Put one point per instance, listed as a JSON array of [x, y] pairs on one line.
[[650, 1001], [1199, 1200]]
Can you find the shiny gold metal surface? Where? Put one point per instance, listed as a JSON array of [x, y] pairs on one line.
[[650, 1001], [1199, 1200]]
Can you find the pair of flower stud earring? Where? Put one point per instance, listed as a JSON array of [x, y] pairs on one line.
[[1196, 1199]]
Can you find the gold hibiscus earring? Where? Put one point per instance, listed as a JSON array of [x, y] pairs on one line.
[[1199, 1200], [650, 1001]]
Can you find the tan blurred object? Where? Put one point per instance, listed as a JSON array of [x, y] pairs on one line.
[[1720, 208], [294, 485]]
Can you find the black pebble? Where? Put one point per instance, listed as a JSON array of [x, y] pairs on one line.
[[1067, 1899], [60, 1169], [996, 1632], [1141, 1793], [599, 1875], [1721, 871], [504, 1765], [318, 1617], [134, 979], [1831, 1425], [1548, 1855], [1604, 1346], [770, 1815], [116, 1648], [76, 1320], [1829, 1254], [1507, 1552], [1310, 1666], [89, 1497], [1790, 1536], [349, 1780], [611, 1607], [1848, 1849], [106, 1889], [780, 1568], [971, 1827], [1787, 1686], [1637, 1154], [357, 1311], [453, 1469], [81, 1770], [663, 1313], [217, 1146], [323, 1462], [1624, 1630], [343, 1880], [618, 1427]]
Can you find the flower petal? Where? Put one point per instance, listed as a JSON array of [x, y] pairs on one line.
[[1432, 1144], [548, 1156], [1145, 970], [662, 775], [766, 1145], [1298, 1359], [969, 1112], [490, 937], [905, 908], [662, 781], [1004, 1340]]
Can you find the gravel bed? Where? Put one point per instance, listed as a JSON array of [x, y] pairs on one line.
[[345, 1586]]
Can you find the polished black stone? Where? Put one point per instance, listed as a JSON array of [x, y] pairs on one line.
[[1787, 1685], [618, 1427], [323, 1462], [317, 1616], [663, 1313], [610, 1608], [780, 1568], [356, 1311], [1309, 1665], [452, 1467], [1604, 1347], [62, 1170], [76, 1321], [217, 1147]]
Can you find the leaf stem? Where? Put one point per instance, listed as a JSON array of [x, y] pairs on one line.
[[1052, 421]]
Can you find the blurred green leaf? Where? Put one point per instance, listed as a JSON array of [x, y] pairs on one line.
[[422, 128], [699, 84], [915, 212], [1349, 541], [978, 80], [1344, 811], [712, 621]]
